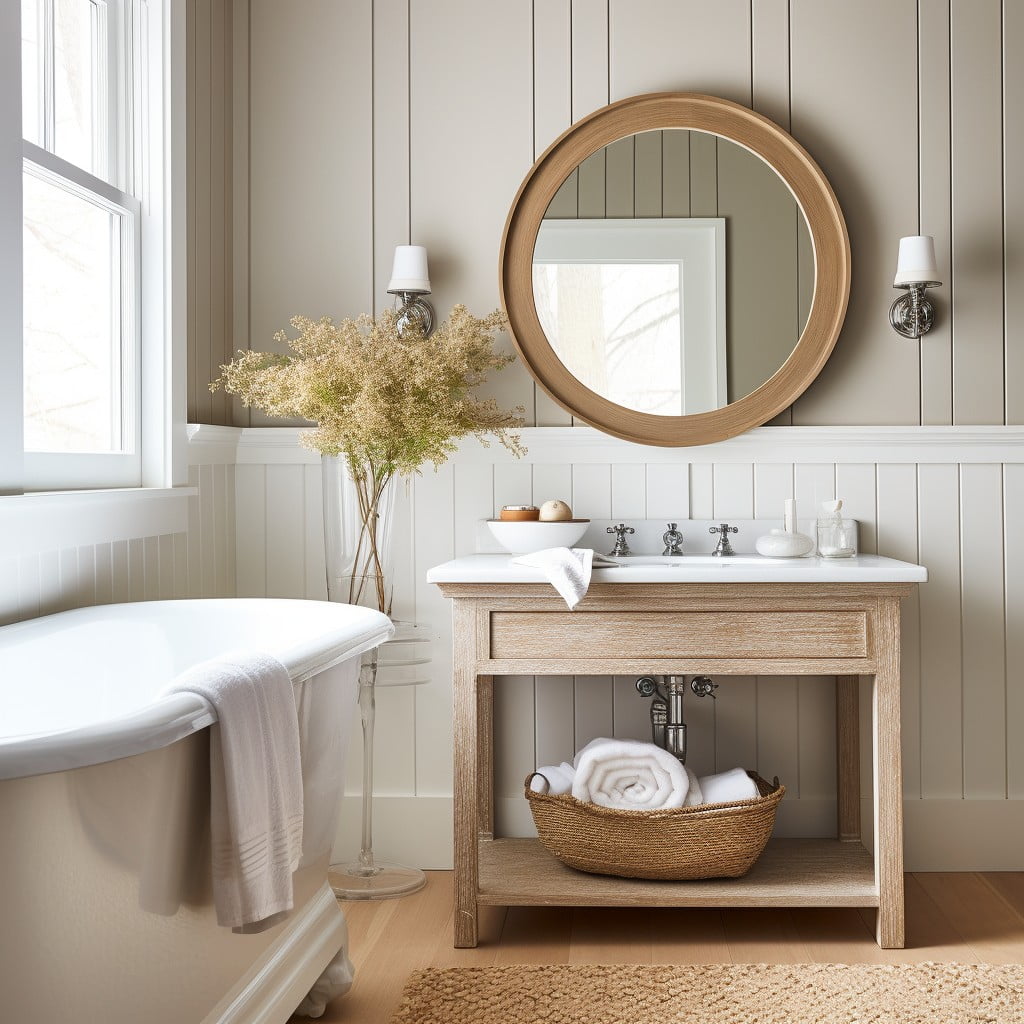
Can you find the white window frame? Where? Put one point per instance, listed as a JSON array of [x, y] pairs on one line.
[[155, 239]]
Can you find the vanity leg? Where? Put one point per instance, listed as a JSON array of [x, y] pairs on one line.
[[848, 758], [467, 800], [888, 778], [485, 756]]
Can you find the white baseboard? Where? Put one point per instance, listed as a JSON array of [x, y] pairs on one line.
[[939, 835]]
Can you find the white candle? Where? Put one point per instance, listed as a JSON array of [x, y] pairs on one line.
[[790, 515]]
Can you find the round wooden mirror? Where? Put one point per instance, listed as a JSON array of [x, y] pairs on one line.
[[657, 286]]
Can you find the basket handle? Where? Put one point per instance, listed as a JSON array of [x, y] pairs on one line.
[[534, 775]]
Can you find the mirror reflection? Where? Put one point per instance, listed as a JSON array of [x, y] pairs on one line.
[[673, 272]]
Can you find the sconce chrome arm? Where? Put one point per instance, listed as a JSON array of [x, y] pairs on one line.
[[912, 315], [413, 307]]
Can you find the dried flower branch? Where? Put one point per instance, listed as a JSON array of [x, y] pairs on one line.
[[386, 401], [380, 398]]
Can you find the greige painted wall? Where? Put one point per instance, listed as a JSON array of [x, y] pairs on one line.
[[210, 40], [375, 122]]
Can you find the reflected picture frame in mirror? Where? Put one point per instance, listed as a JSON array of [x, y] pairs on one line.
[[814, 197]]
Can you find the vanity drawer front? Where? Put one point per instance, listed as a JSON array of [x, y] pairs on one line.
[[657, 634]]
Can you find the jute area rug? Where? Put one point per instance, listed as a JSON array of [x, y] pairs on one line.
[[929, 993]]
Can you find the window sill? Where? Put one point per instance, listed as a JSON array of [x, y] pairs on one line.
[[48, 520]]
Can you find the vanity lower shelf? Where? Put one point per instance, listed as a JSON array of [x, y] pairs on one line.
[[790, 873]]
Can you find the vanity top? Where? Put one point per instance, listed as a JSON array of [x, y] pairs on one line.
[[693, 569]]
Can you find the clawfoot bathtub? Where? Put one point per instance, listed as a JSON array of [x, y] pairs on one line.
[[107, 913]]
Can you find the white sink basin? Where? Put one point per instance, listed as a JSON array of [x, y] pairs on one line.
[[693, 561]]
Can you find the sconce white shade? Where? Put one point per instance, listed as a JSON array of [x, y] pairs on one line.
[[409, 272], [916, 263]]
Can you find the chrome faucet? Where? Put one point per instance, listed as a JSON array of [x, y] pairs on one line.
[[621, 549], [724, 548], [668, 727], [673, 540]]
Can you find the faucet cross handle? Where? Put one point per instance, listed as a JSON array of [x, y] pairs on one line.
[[724, 548], [621, 549]]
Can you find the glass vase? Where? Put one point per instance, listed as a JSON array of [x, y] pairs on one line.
[[358, 520]]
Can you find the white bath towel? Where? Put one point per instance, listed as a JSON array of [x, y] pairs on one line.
[[725, 787], [694, 794], [629, 775], [255, 785], [568, 569], [553, 779]]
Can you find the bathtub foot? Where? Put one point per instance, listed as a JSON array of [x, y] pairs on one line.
[[335, 981]]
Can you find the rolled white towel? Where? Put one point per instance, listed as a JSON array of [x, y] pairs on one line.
[[629, 775], [553, 779], [694, 795], [726, 787]]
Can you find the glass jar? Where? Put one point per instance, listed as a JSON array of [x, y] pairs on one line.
[[837, 538]]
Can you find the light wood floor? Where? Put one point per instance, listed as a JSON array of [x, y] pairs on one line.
[[972, 918]]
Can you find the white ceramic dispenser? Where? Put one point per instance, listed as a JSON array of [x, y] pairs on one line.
[[787, 542]]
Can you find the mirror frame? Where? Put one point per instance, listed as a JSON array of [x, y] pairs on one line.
[[736, 123]]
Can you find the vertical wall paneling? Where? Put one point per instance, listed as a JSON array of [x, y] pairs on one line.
[[553, 481], [1013, 207], [250, 531], [390, 186], [977, 228], [593, 708], [668, 491], [207, 531], [697, 47], [870, 377], [941, 685], [474, 500], [934, 163], [285, 505], [982, 624], [458, 209], [592, 491], [552, 114], [209, 71], [309, 218], [734, 491], [769, 51], [240, 113], [555, 719], [589, 48], [1013, 547], [628, 499], [702, 491]]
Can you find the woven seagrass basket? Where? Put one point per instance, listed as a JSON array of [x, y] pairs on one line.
[[707, 841]]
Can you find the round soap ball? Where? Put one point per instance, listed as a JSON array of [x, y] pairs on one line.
[[555, 512]]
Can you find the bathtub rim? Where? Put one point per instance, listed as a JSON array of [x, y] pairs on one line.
[[171, 718]]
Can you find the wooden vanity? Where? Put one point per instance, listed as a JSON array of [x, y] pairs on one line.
[[839, 619]]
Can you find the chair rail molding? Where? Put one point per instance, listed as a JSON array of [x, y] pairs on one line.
[[885, 445]]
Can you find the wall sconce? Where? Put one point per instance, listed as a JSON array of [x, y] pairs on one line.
[[410, 282], [911, 315]]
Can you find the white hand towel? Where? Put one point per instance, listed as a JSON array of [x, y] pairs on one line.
[[568, 570], [255, 785], [629, 775], [553, 779], [726, 787]]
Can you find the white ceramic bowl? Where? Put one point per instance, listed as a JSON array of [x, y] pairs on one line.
[[521, 538]]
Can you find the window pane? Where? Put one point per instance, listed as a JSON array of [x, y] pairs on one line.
[[78, 122], [611, 324], [72, 322], [32, 71]]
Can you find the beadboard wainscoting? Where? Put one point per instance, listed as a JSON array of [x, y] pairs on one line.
[[76, 549], [948, 497]]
